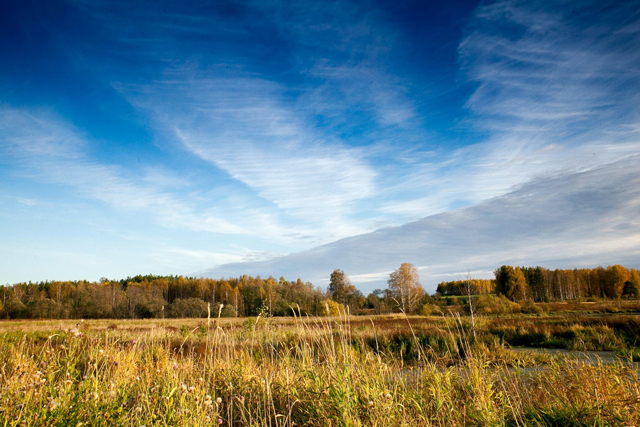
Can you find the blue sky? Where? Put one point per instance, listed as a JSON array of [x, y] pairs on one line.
[[175, 139]]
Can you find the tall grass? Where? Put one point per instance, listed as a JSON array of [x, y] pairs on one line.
[[306, 372]]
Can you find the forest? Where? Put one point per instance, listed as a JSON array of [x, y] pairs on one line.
[[541, 284], [150, 296]]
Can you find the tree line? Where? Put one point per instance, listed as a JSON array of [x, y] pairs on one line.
[[458, 287], [149, 296], [541, 284]]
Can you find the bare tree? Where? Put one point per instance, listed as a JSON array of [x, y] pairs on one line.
[[470, 292]]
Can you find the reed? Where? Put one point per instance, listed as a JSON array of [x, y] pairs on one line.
[[303, 371]]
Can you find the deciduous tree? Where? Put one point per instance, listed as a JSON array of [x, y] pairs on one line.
[[617, 276], [405, 287], [511, 283], [341, 289]]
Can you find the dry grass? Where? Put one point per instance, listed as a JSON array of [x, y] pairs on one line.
[[603, 306], [286, 372]]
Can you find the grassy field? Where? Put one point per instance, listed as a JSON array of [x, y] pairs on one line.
[[345, 371]]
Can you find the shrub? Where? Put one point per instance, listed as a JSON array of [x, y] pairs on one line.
[[491, 304], [530, 307], [228, 311], [429, 310], [331, 308]]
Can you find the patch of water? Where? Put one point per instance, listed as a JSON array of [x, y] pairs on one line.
[[588, 357]]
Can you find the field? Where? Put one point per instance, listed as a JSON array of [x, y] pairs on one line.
[[343, 371]]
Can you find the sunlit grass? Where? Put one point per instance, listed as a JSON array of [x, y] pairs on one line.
[[304, 371]]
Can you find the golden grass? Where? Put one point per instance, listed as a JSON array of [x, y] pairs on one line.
[[286, 372]]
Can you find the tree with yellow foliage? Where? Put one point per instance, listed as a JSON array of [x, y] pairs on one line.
[[405, 287]]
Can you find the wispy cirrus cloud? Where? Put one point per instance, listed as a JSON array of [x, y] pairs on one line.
[[193, 260], [549, 98], [43, 147], [300, 123], [264, 132], [360, 87], [556, 92], [244, 127], [556, 74], [553, 182], [577, 219]]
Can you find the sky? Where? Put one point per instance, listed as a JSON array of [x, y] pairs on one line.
[[295, 138]]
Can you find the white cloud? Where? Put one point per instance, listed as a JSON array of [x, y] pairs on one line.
[[158, 176], [556, 91], [365, 86], [245, 127], [194, 260], [371, 277], [46, 149], [580, 219], [554, 69]]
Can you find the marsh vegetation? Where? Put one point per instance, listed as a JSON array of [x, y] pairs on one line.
[[339, 371]]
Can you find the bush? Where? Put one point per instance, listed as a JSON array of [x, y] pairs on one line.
[[429, 310], [491, 304], [331, 308], [228, 311], [530, 307], [282, 308]]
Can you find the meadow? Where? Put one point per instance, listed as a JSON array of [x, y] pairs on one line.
[[392, 370]]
